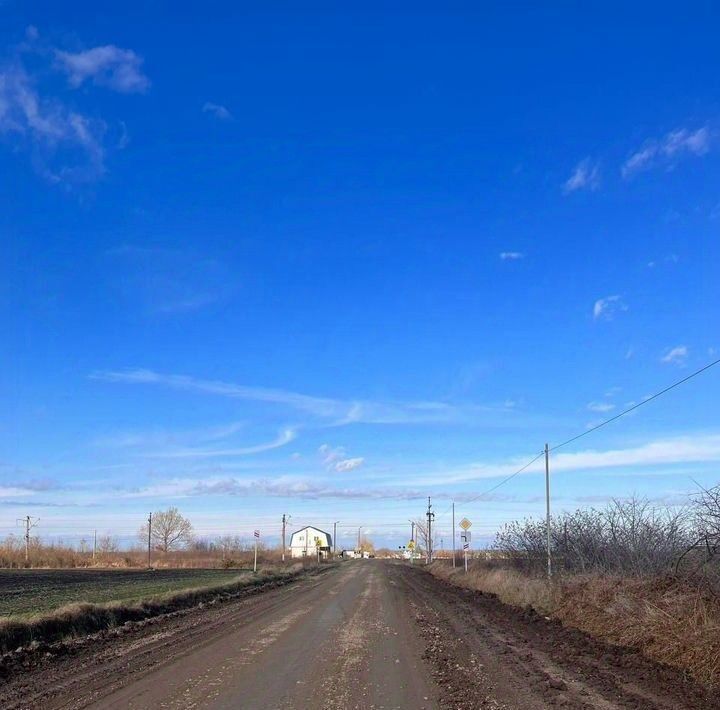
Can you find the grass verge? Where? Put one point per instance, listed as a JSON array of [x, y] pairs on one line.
[[665, 620], [80, 619]]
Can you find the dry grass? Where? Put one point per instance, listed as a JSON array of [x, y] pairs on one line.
[[85, 618], [667, 620], [511, 587]]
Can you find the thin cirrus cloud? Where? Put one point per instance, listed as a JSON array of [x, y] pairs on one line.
[[46, 127], [144, 439], [585, 176], [607, 308], [511, 255], [671, 451], [668, 150], [676, 356], [162, 281], [66, 145], [108, 66], [331, 412], [283, 438], [217, 110], [283, 487], [335, 458], [601, 407]]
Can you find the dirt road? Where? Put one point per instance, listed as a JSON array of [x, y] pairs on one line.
[[367, 635]]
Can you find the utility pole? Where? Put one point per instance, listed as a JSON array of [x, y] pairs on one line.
[[547, 509], [335, 537], [430, 516], [358, 547], [149, 538], [29, 524], [94, 544], [412, 530], [285, 519], [257, 537], [453, 521]]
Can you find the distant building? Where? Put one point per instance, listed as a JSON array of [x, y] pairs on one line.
[[305, 542]]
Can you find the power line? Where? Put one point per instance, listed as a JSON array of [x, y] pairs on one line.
[[635, 406], [595, 428]]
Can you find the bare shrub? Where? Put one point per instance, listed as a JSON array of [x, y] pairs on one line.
[[629, 536], [701, 558]]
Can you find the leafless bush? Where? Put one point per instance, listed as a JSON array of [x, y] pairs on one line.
[[701, 558], [629, 536]]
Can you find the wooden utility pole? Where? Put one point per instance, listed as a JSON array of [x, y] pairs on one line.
[[430, 516], [358, 546], [547, 510], [286, 517], [453, 521], [149, 539], [29, 524], [335, 537], [94, 544]]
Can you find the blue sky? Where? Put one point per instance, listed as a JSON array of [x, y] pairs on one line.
[[328, 262]]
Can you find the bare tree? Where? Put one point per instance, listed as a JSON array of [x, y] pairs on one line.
[[421, 536], [107, 544], [169, 531], [367, 545], [228, 545]]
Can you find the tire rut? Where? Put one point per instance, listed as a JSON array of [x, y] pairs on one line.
[[91, 668], [518, 659]]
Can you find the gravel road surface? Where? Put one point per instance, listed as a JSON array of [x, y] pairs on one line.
[[369, 634]]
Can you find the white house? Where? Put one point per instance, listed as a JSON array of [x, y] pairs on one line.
[[304, 542]]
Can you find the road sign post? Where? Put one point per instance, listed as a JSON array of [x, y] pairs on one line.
[[465, 536]]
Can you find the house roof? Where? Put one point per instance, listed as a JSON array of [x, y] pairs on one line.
[[310, 527]]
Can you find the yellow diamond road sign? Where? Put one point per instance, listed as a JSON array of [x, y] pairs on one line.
[[465, 523], [411, 545]]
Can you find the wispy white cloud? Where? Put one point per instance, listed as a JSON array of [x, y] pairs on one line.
[[601, 407], [668, 150], [109, 66], [676, 356], [334, 458], [144, 439], [167, 282], [585, 176], [217, 110], [511, 255], [699, 448], [280, 487], [346, 465], [283, 438], [65, 145], [608, 307], [333, 412]]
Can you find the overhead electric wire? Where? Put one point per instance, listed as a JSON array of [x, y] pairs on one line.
[[595, 428], [635, 406]]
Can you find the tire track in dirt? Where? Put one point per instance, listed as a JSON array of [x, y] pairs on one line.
[[489, 655], [78, 672]]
